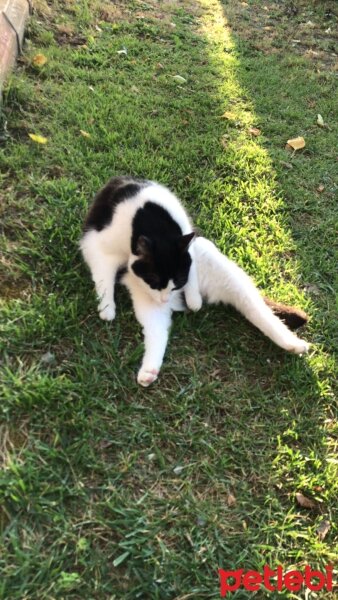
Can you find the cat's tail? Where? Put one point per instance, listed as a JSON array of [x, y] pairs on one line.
[[293, 317]]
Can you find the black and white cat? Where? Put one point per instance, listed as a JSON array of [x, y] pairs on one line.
[[140, 230]]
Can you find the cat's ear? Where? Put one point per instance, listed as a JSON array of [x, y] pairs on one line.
[[185, 241], [143, 246]]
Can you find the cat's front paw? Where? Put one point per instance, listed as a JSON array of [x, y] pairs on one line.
[[298, 346], [107, 311], [194, 301], [147, 376]]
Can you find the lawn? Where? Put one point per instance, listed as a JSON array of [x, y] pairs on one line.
[[109, 490]]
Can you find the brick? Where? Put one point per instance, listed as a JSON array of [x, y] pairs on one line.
[[13, 16]]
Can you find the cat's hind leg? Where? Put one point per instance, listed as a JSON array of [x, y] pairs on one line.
[[103, 268], [221, 280], [256, 311], [244, 296]]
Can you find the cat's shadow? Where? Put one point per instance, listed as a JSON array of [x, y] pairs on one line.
[[221, 336]]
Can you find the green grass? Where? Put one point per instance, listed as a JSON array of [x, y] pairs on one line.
[[112, 491]]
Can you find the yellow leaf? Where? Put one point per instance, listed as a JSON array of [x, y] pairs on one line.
[[320, 121], [296, 143], [179, 78], [39, 60], [38, 138], [85, 133], [228, 115]]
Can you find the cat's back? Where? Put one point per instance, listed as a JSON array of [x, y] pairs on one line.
[[117, 203], [116, 192]]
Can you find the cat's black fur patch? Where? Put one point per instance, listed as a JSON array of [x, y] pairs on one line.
[[164, 258], [154, 222], [116, 190], [120, 274]]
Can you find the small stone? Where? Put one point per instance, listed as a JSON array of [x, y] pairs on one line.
[[178, 470], [47, 358]]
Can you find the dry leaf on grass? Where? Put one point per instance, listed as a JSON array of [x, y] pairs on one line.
[[231, 500], [295, 143], [321, 188], [323, 529], [255, 131], [65, 29], [39, 60], [228, 115], [39, 139], [85, 133], [305, 502]]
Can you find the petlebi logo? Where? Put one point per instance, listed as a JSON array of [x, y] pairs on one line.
[[276, 580]]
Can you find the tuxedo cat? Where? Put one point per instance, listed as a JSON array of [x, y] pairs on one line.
[[140, 230]]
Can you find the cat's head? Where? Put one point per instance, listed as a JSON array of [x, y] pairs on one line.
[[162, 265]]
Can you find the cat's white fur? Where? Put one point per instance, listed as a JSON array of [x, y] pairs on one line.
[[220, 280], [212, 277], [108, 250]]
